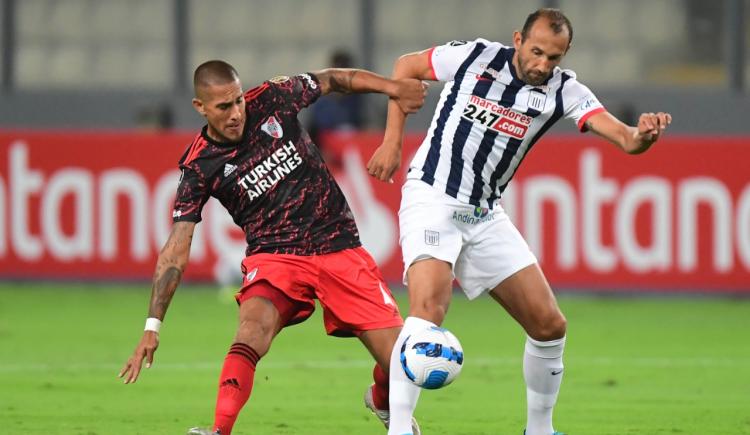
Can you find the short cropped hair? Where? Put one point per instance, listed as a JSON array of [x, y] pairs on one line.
[[213, 72], [556, 21]]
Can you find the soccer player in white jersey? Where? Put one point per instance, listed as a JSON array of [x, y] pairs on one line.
[[497, 102]]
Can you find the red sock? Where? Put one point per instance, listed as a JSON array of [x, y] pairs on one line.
[[235, 385], [380, 389]]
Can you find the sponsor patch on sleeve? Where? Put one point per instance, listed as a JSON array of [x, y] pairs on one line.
[[588, 103], [279, 79], [309, 80]]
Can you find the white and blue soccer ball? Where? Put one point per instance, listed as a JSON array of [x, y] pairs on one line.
[[432, 358]]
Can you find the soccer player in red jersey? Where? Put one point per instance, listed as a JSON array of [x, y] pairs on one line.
[[302, 242]]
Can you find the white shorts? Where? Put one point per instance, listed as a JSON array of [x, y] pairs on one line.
[[482, 246]]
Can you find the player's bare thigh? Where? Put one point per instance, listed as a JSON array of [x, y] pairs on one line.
[[528, 298], [430, 286], [259, 322]]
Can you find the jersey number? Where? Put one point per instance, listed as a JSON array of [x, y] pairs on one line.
[[500, 123], [483, 116]]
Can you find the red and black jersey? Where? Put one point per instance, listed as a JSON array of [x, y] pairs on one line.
[[274, 182]]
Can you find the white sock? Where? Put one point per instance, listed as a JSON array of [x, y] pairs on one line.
[[403, 393], [542, 370]]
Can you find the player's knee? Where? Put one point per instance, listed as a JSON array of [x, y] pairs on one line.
[[551, 327], [429, 310], [257, 334]]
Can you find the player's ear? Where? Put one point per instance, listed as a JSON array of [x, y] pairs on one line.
[[517, 39], [199, 107]]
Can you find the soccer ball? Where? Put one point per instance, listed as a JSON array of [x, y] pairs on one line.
[[432, 358]]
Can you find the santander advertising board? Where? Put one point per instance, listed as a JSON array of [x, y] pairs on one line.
[[82, 205]]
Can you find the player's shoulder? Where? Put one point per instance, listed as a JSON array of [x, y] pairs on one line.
[[458, 50], [253, 93], [285, 81], [470, 44], [280, 81], [194, 150], [566, 78], [571, 75], [573, 91], [203, 154], [268, 94], [282, 87]]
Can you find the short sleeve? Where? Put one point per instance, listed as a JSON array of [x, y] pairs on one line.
[[192, 195], [580, 103], [298, 91], [446, 59]]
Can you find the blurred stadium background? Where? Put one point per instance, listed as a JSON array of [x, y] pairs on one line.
[[95, 112]]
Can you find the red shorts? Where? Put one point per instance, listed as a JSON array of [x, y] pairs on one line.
[[347, 283]]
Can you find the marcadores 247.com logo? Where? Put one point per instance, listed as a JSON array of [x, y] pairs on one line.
[[502, 119]]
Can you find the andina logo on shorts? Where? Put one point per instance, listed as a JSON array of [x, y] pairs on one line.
[[479, 215]]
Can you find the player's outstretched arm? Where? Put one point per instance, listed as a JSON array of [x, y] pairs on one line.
[[172, 261], [632, 140], [387, 158], [407, 93]]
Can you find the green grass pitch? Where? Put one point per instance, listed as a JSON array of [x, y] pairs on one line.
[[633, 366]]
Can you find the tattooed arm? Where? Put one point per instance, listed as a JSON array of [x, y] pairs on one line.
[[172, 261], [169, 267], [407, 93]]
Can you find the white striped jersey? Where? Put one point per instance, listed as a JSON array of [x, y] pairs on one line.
[[487, 119]]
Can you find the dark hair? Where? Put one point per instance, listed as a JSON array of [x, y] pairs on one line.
[[214, 72], [556, 22]]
